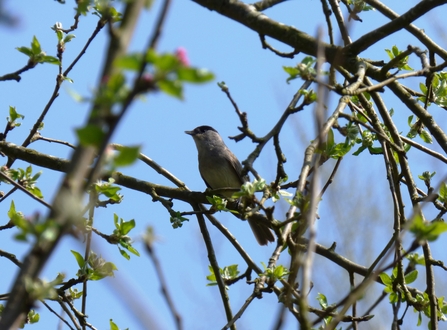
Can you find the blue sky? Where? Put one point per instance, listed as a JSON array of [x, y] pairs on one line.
[[257, 82]]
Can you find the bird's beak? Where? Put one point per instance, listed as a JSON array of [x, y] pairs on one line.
[[189, 132]]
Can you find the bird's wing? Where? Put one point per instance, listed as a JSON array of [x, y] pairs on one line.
[[237, 167]]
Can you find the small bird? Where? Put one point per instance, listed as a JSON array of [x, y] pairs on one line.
[[220, 168]]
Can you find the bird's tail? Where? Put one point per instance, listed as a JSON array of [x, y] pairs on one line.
[[262, 233]]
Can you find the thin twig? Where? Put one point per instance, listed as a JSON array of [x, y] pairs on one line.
[[163, 283], [214, 264], [240, 312]]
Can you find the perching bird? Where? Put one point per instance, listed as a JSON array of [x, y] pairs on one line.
[[220, 168]]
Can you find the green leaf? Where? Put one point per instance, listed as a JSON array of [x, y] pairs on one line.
[[359, 151], [126, 156], [416, 259], [109, 190], [113, 326], [127, 226], [411, 277], [395, 51], [69, 37], [35, 46], [177, 220], [129, 62], [50, 59], [386, 279], [133, 250], [33, 317], [12, 210], [79, 259], [35, 191], [163, 62], [90, 135], [211, 277], [425, 136], [124, 254], [322, 300], [394, 298], [25, 50], [115, 221], [116, 82], [218, 202], [309, 96], [105, 270], [14, 115], [171, 87], [228, 273], [194, 75], [410, 121], [293, 71], [59, 34], [429, 231]]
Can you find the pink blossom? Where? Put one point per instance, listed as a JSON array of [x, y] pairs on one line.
[[182, 56]]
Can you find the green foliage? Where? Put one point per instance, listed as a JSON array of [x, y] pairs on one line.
[[219, 203], [417, 128], [33, 317], [109, 190], [13, 116], [304, 70], [96, 268], [275, 273], [90, 135], [330, 149], [113, 91], [177, 220], [367, 142], [402, 63], [438, 89], [73, 294], [83, 7], [40, 289], [393, 287], [113, 326], [359, 5], [26, 179], [249, 188], [62, 38], [126, 156], [429, 231], [36, 55], [120, 237], [169, 71], [105, 12], [18, 219], [228, 274], [322, 300], [300, 201], [277, 193], [416, 259], [426, 177], [442, 195], [309, 96], [45, 229]]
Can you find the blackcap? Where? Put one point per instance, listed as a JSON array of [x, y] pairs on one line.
[[220, 168]]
